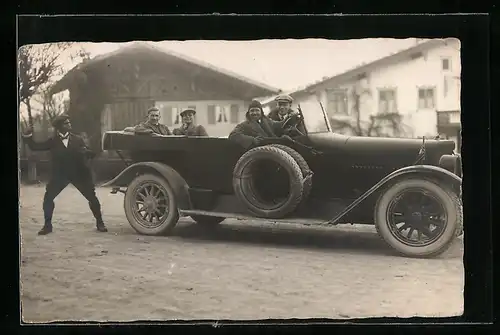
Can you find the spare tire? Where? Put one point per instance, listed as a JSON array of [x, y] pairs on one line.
[[304, 167], [261, 188]]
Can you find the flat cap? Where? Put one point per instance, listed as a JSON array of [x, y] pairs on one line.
[[153, 109], [284, 97], [58, 120], [186, 111]]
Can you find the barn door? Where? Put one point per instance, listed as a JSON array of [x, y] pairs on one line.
[[128, 113]]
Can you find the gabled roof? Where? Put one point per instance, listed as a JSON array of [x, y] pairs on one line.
[[62, 84], [366, 67]]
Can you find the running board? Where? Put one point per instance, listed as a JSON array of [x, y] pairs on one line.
[[301, 221]]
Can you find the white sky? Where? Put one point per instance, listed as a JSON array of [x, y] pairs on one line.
[[283, 64]]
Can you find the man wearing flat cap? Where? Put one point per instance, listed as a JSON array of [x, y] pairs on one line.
[[152, 124], [189, 128], [69, 155], [282, 111]]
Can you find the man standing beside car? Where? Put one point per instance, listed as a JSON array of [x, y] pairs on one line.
[[189, 128], [69, 163], [152, 124]]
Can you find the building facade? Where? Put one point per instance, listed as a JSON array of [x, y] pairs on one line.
[[421, 84], [114, 91]]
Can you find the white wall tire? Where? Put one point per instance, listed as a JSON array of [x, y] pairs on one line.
[[430, 224]]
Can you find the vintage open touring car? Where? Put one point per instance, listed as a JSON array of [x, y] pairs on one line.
[[410, 189]]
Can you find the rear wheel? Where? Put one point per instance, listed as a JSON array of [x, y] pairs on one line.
[[418, 217], [150, 205]]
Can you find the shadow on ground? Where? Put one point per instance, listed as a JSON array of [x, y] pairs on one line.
[[329, 239]]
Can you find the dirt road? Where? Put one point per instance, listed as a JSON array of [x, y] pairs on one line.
[[242, 270]]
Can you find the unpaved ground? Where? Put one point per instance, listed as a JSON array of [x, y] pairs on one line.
[[242, 270]]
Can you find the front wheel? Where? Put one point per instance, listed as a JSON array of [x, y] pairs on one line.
[[418, 217], [150, 205]]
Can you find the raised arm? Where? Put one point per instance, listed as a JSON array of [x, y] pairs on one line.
[[36, 146]]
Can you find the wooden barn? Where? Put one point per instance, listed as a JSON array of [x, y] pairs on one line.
[[114, 91]]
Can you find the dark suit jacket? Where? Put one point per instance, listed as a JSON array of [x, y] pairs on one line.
[[245, 132], [160, 129], [192, 130], [70, 162]]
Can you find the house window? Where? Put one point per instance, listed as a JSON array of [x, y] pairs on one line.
[[171, 114], [445, 63], [176, 112], [222, 114], [426, 98], [337, 101], [387, 101]]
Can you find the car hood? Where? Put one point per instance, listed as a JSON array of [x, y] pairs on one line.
[[382, 145]]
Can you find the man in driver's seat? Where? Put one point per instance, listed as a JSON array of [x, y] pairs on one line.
[[283, 111], [256, 127], [283, 108]]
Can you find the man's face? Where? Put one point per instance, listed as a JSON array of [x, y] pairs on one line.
[[283, 107], [255, 113], [187, 118], [154, 117], [65, 126]]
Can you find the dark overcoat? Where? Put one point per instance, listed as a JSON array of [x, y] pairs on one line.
[[71, 162], [245, 132]]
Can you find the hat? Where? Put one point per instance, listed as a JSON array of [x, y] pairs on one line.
[[284, 97], [189, 110], [59, 120], [153, 109], [255, 104]]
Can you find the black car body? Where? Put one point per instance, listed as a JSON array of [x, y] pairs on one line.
[[342, 179]]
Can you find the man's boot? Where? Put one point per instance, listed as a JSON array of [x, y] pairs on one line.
[[95, 207], [101, 227], [46, 229]]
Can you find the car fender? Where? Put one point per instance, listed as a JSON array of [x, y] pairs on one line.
[[426, 170], [173, 178]]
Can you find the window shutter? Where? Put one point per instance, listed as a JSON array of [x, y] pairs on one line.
[[211, 114], [234, 114], [167, 115]]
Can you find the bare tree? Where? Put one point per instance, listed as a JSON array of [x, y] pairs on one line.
[[378, 125], [38, 65]]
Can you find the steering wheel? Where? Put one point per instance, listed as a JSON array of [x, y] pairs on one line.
[[296, 121]]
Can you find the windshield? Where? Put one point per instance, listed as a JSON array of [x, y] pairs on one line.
[[314, 118]]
